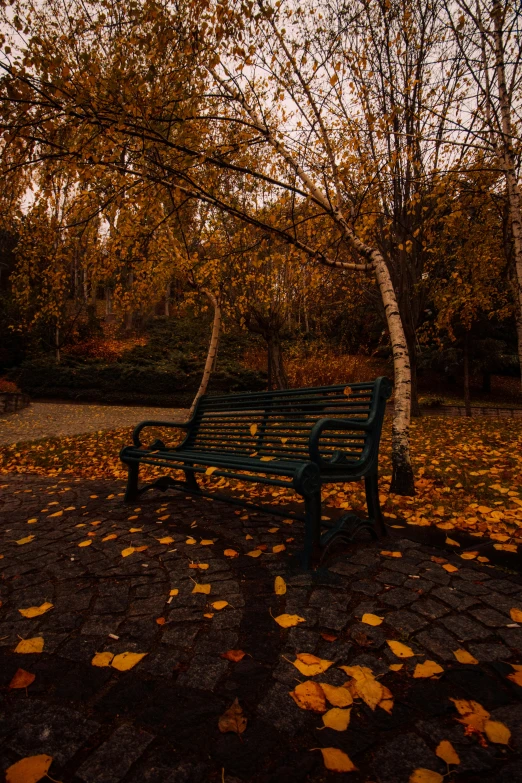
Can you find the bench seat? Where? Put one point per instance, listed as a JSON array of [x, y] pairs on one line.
[[297, 438]]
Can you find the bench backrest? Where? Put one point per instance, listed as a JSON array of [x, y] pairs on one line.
[[278, 423]]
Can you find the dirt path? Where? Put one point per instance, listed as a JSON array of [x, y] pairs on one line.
[[49, 419]]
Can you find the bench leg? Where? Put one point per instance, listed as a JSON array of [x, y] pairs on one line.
[[190, 478], [312, 542], [372, 501], [131, 493]]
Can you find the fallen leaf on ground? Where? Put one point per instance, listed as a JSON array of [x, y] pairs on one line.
[[310, 665], [160, 620], [309, 696], [126, 660], [427, 669], [395, 667], [497, 732], [218, 605], [469, 555], [463, 656], [110, 537], [447, 752], [233, 655], [166, 540], [254, 553], [85, 543], [399, 649], [253, 429], [201, 566], [278, 548], [472, 713], [36, 611], [365, 684], [206, 542], [210, 471], [386, 553], [191, 541], [34, 645], [337, 695], [422, 775], [516, 615], [279, 585], [231, 553], [371, 619], [516, 677], [336, 760], [205, 589], [451, 541], [233, 719], [135, 529], [288, 620], [22, 679], [451, 570], [128, 551], [28, 770], [337, 718], [102, 659], [25, 540], [174, 591], [328, 637]]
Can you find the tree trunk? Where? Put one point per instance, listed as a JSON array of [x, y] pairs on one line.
[[212, 350], [467, 404], [278, 376], [510, 169]]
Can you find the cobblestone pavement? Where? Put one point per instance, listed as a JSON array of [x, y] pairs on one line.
[[50, 419], [158, 722]]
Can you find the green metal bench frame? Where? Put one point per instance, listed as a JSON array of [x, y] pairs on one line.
[[294, 438]]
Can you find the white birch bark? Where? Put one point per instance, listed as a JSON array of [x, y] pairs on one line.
[[509, 163], [212, 350]]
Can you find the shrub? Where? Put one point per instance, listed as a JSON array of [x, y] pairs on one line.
[[8, 386]]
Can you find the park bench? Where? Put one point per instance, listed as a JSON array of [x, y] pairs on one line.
[[295, 438]]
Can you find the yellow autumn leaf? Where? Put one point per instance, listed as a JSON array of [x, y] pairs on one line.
[[447, 752], [386, 553], [472, 713], [309, 696], [450, 568], [141, 548], [288, 620], [205, 589], [102, 659], [399, 649], [337, 695], [253, 429], [310, 665], [371, 619], [218, 605], [516, 615], [128, 551], [25, 540], [191, 541], [469, 555], [29, 770], [210, 471], [337, 761], [279, 585], [85, 543], [174, 591], [451, 541], [337, 718], [34, 645], [427, 669], [254, 553], [278, 548], [231, 553], [395, 667], [516, 677], [422, 775], [463, 656], [497, 732], [166, 540], [110, 537], [36, 611], [365, 685], [206, 542], [267, 459], [126, 660]]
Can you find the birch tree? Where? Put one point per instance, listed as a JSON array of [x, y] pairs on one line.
[[488, 36]]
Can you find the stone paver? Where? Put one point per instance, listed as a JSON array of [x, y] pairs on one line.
[[158, 722], [53, 419]]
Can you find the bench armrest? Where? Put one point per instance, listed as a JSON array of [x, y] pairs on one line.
[[183, 425], [334, 424]]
